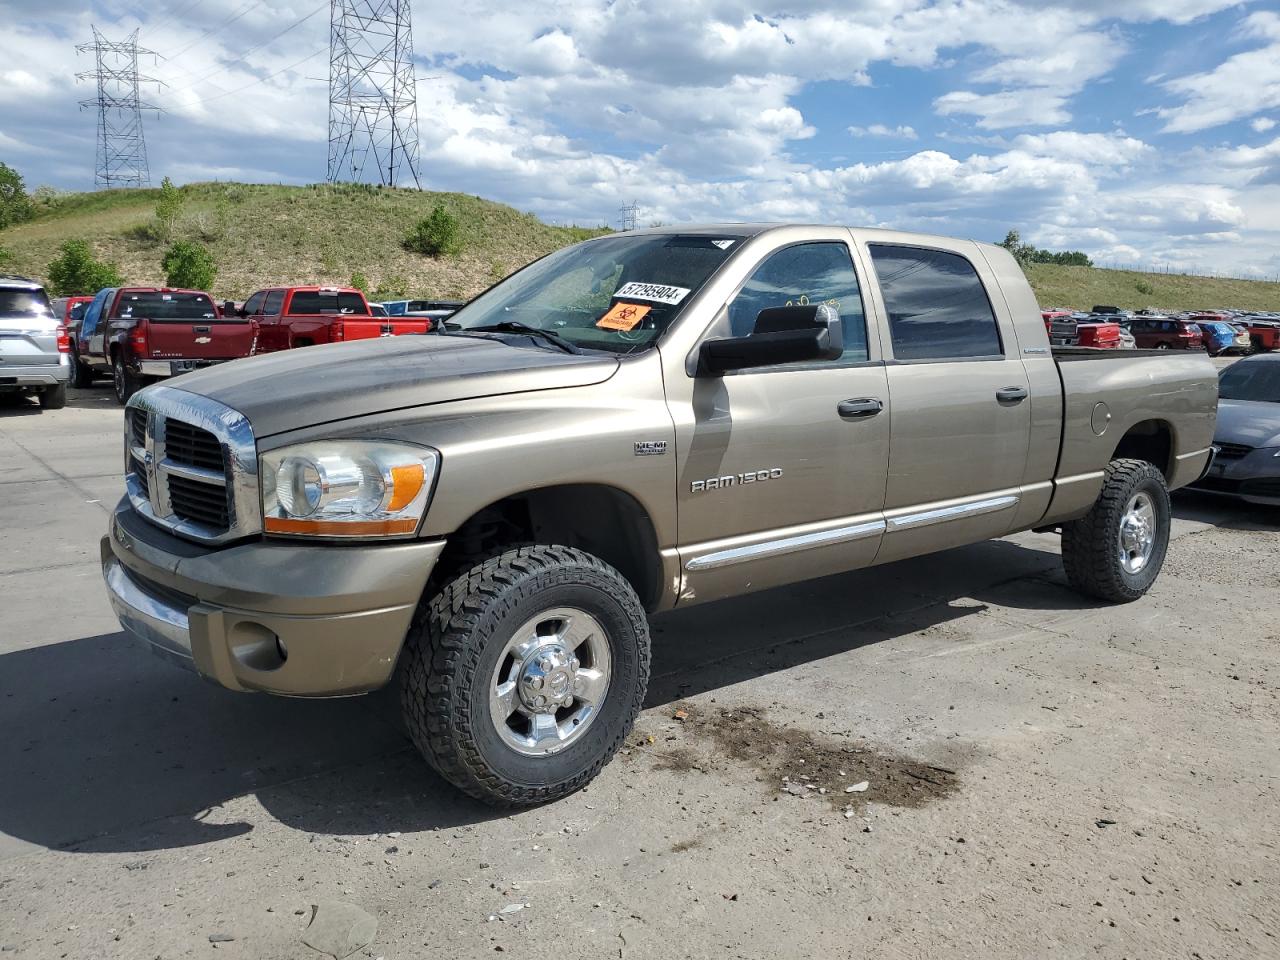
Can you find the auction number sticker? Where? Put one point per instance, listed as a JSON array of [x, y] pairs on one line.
[[657, 292]]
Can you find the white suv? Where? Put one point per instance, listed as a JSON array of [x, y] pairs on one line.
[[35, 351]]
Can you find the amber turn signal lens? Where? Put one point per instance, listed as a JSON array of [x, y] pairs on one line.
[[340, 528], [406, 484]]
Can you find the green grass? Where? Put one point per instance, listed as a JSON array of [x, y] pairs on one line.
[[1080, 288], [263, 235]]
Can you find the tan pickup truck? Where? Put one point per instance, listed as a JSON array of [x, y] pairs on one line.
[[639, 422]]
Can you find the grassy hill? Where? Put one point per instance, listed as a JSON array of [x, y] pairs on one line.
[[262, 235]]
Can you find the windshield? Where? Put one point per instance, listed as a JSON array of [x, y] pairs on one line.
[[617, 293], [164, 306], [18, 303], [1251, 380]]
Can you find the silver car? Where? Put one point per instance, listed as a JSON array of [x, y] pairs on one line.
[[35, 352], [1247, 437]]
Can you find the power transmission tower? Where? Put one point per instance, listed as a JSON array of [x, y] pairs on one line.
[[373, 96], [122, 149], [628, 216]]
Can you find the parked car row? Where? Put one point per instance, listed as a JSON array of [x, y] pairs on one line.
[[1217, 332], [137, 335]]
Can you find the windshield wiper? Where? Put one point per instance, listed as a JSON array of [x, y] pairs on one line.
[[515, 326]]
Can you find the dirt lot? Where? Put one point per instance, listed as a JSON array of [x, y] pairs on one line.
[[1045, 777]]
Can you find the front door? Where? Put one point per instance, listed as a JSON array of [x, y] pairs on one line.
[[961, 401], [781, 470]]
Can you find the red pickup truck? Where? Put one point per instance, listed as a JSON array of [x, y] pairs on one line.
[[303, 316], [140, 334]]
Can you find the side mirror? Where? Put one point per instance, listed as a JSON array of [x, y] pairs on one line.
[[781, 335]]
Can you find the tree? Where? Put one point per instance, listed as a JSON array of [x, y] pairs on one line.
[[435, 236], [168, 209], [75, 272], [1026, 253], [15, 205], [189, 265]]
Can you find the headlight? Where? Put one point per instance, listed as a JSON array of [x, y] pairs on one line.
[[346, 488]]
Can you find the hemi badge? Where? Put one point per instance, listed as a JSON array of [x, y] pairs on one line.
[[651, 448]]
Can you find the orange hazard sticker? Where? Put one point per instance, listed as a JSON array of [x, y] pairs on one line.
[[623, 316]]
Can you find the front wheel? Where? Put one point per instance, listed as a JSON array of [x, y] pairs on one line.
[[525, 674], [1116, 550]]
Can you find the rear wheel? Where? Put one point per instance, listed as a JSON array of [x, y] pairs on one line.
[[54, 398], [81, 375], [1162, 346], [126, 383], [1116, 550], [525, 674]]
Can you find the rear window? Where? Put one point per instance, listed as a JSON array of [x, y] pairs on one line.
[[321, 301], [17, 303], [164, 306]]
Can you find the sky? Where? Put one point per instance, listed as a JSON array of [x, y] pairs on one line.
[[1145, 132]]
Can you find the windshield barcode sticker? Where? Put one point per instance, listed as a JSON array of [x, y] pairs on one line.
[[657, 292]]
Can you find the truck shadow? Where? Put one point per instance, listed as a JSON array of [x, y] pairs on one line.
[[109, 749]]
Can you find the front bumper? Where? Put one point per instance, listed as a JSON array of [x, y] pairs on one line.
[[36, 375], [305, 620], [171, 368], [1254, 478]]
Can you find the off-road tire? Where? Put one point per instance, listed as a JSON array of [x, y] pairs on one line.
[[124, 382], [1090, 545], [54, 398], [451, 654]]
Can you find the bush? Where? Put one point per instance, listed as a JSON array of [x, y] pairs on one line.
[[391, 288], [436, 236], [190, 266], [1144, 288], [75, 272], [5, 257], [168, 209], [359, 282]]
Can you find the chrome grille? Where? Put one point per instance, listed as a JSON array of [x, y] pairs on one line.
[[191, 465]]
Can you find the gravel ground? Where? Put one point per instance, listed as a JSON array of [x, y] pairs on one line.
[[1045, 777]]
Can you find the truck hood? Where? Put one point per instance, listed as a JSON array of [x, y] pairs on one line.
[[310, 386], [1250, 422]]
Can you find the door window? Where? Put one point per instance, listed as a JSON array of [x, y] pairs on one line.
[[803, 274], [273, 303], [937, 306], [253, 305]]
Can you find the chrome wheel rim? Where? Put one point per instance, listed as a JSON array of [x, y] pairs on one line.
[[550, 681], [1137, 533]]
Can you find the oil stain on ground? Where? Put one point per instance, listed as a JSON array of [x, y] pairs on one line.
[[796, 761]]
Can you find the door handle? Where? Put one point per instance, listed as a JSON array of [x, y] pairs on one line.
[[859, 409], [1011, 394]]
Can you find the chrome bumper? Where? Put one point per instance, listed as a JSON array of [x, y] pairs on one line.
[[147, 618], [171, 368]]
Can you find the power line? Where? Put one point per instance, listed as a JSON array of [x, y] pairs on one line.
[[373, 101], [254, 83], [122, 149], [244, 56], [222, 26]]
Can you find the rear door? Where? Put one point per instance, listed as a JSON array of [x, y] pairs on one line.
[[961, 413]]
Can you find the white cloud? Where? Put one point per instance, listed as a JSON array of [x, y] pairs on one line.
[[880, 130], [1240, 86], [1262, 124]]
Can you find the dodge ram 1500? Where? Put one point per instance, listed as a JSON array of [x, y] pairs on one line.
[[635, 423]]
